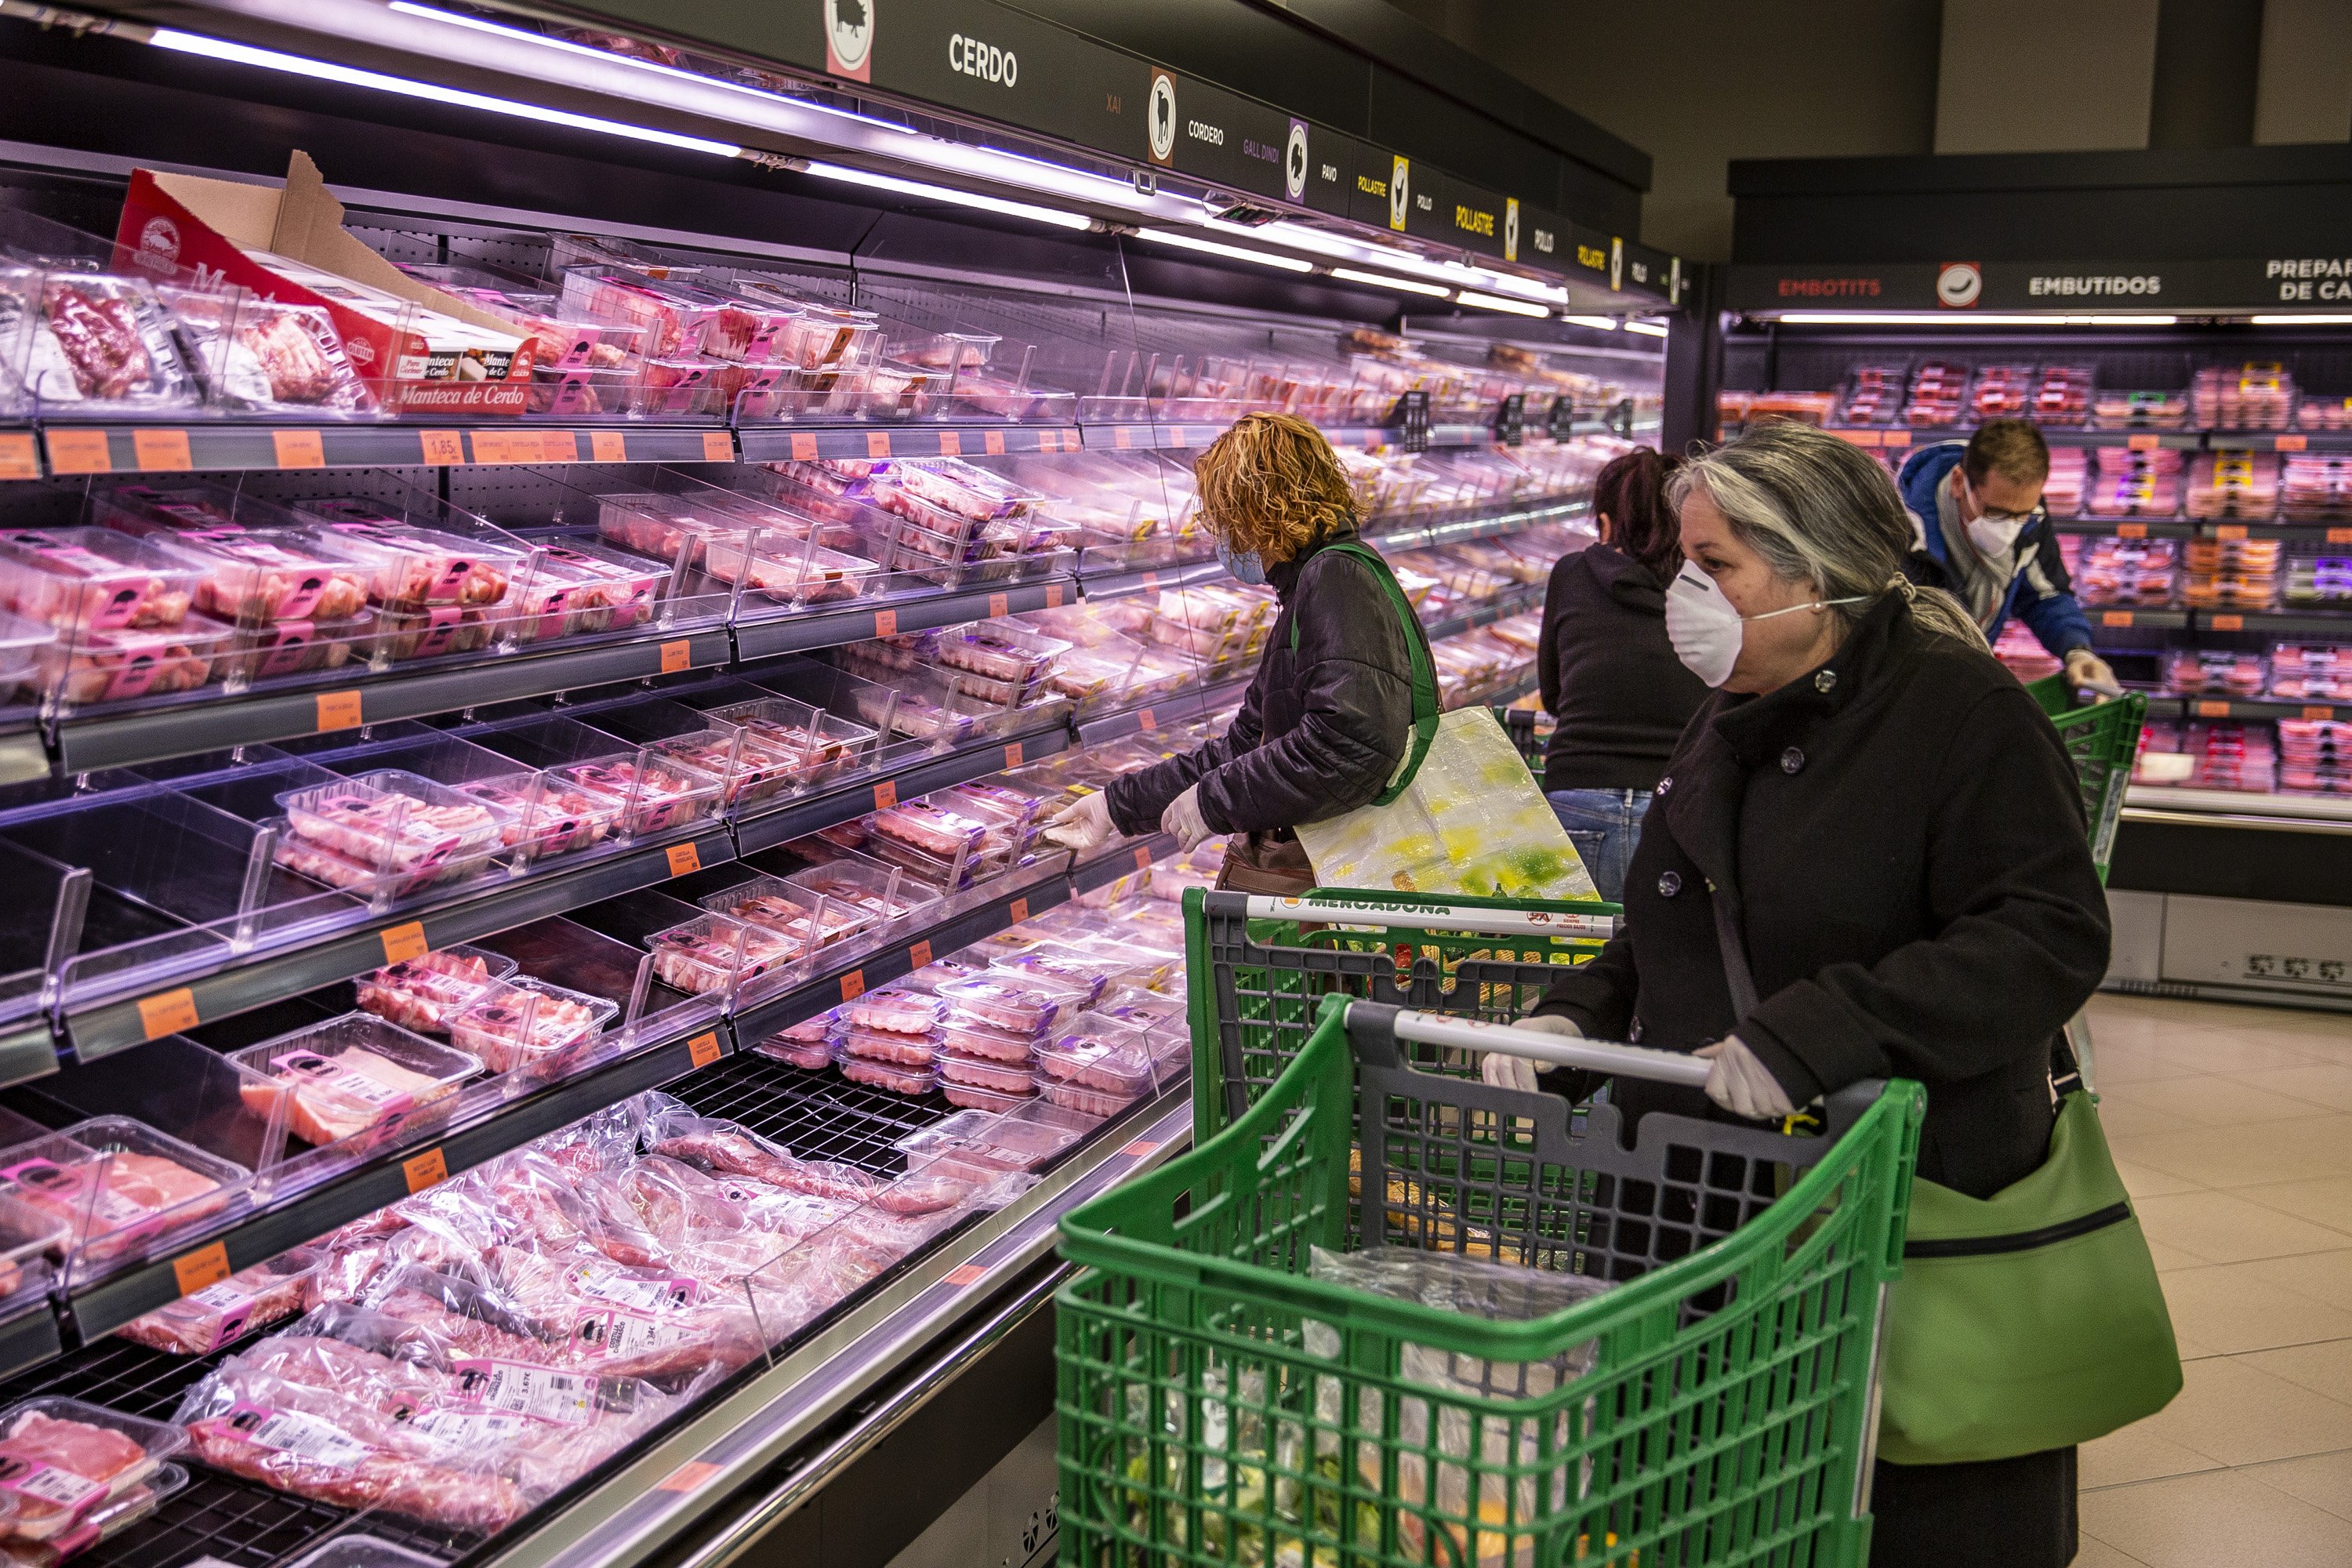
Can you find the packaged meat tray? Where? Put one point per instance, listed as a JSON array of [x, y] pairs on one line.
[[309, 858], [93, 579], [802, 920], [958, 1070], [2325, 414], [1006, 658], [439, 631], [881, 893], [814, 747], [117, 1185], [2113, 410], [658, 793], [249, 1299], [2233, 485], [2062, 395], [2002, 392], [69, 1458], [394, 820], [2135, 484], [680, 388], [421, 995], [825, 337], [88, 667], [911, 1081], [1026, 1005], [935, 843], [1874, 395], [1938, 389], [545, 814], [674, 314], [269, 356], [813, 1056], [103, 343], [275, 649], [261, 575], [884, 1046], [412, 568], [666, 527], [2253, 397], [2311, 672], [608, 590], [530, 1026], [2214, 672], [129, 1506], [351, 1075], [794, 572], [712, 954], [1086, 972], [2315, 487], [2320, 580], [892, 1012]]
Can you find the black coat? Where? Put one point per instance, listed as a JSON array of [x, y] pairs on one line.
[[1609, 674], [1903, 838], [1323, 726]]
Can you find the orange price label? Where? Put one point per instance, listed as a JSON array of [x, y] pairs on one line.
[[964, 1274], [1140, 1148], [2212, 709], [950, 444], [608, 445], [2116, 618], [2340, 536], [877, 443], [919, 955], [1020, 910], [690, 1477], [299, 448], [1148, 720], [163, 450], [803, 446], [1049, 440], [886, 623], [2292, 443], [717, 447], [79, 452], [2319, 712], [1053, 591], [205, 1267], [1142, 858], [1069, 440], [1012, 754], [703, 1049], [1176, 435], [2230, 531], [2142, 443], [2228, 623], [404, 943], [167, 1013], [852, 986], [999, 604], [684, 858], [886, 794], [992, 443], [1860, 437], [20, 459], [508, 447], [429, 1169], [1152, 582], [559, 446], [676, 655], [441, 446], [1896, 438], [2131, 530], [1122, 437], [338, 710]]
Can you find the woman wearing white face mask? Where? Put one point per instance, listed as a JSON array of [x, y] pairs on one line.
[[1866, 859]]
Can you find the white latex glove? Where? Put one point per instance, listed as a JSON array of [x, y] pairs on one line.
[[1742, 1084], [1518, 1072], [2084, 667], [1182, 818], [1082, 824]]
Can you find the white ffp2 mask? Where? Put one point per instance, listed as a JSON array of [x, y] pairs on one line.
[[1994, 536], [1706, 631]]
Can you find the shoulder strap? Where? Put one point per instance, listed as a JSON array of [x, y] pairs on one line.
[[1424, 670], [1735, 953]]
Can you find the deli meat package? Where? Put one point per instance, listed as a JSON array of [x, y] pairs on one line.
[[65, 1459], [217, 1315], [103, 343]]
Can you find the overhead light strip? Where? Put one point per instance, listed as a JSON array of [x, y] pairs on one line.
[[948, 193], [1647, 329], [1403, 284], [1472, 298], [1961, 319], [1231, 252], [2300, 320], [1598, 323]]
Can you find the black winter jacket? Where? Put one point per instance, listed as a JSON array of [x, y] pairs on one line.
[[1901, 839], [1322, 727], [1609, 674]]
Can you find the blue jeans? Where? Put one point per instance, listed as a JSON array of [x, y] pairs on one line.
[[1604, 824]]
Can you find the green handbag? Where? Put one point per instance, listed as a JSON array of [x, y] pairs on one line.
[[2028, 1321]]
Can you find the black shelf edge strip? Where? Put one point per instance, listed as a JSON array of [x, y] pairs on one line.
[[859, 622], [799, 818]]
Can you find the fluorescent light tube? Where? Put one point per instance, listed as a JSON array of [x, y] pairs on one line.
[[1034, 213], [1405, 284], [1598, 323], [1233, 252], [1647, 329], [1961, 319], [1471, 296], [271, 59], [2301, 320]]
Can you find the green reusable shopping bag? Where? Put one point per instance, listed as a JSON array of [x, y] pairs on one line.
[[2031, 1319]]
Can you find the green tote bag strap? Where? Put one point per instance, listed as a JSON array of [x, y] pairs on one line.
[[1424, 671]]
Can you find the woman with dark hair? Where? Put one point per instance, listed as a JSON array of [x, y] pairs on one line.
[[1608, 674]]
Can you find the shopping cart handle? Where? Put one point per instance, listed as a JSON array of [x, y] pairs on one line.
[[1555, 1050], [1338, 911]]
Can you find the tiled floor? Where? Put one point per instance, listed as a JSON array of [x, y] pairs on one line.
[[2234, 1129]]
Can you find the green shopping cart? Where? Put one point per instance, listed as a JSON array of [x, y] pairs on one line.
[[1257, 968], [1224, 1399], [2103, 740]]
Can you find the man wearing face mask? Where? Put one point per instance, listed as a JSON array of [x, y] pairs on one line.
[[1984, 539]]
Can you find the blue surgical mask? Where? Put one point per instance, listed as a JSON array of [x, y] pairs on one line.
[[1243, 563]]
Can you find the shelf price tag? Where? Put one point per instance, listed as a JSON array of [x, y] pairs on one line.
[[2116, 618], [299, 448], [717, 447], [992, 443], [676, 655], [20, 459], [2143, 443], [1049, 440], [886, 794], [690, 1477], [79, 452], [201, 1270], [1152, 582], [2319, 712], [429, 1169], [404, 943], [338, 710], [1020, 910], [1176, 435], [1147, 720], [2230, 531], [2131, 530], [1069, 440], [506, 447], [2228, 623], [441, 447], [852, 986], [963, 1276], [1012, 754], [1142, 858], [2340, 536], [167, 1013], [1122, 437], [609, 445], [1896, 438], [2292, 443], [165, 450], [999, 604], [877, 443], [886, 623], [950, 444], [1140, 1148], [803, 446], [703, 1049], [1053, 592], [684, 859], [2212, 709], [919, 955]]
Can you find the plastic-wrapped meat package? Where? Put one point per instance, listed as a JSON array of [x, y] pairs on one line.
[[2233, 485], [1937, 389], [1029, 1004], [2217, 673], [660, 525], [412, 568], [2316, 487], [93, 579], [547, 815], [620, 1322], [117, 1185], [887, 1045], [609, 591], [2311, 672], [2139, 410], [421, 995], [965, 488], [2325, 414], [2002, 392], [394, 820], [262, 575], [526, 1025], [661, 794], [939, 834], [351, 1075], [2313, 581], [2062, 492], [796, 920], [2063, 394], [712, 954], [204, 1320], [807, 1044], [64, 1458], [2252, 397], [105, 341], [1874, 395], [2135, 484], [675, 315], [92, 666], [266, 356]]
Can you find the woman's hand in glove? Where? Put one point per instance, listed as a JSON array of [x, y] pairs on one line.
[[1182, 818], [1082, 824], [1519, 1072], [1742, 1084], [2085, 668]]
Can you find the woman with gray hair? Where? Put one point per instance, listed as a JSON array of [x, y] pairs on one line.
[[1866, 859]]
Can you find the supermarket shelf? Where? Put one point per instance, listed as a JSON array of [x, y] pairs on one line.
[[2104, 617], [28, 1339], [254, 1236], [1898, 437], [97, 1027], [1129, 856], [1510, 602], [28, 1051], [2203, 527], [1122, 583], [2323, 812], [2243, 708], [2281, 441], [1489, 525], [213, 723], [824, 809], [989, 438], [2130, 527], [814, 628], [1179, 709], [2298, 623], [76, 448]]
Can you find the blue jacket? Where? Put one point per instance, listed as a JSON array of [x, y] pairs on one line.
[[2040, 594]]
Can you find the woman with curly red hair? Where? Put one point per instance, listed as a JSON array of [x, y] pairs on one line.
[[1329, 717]]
